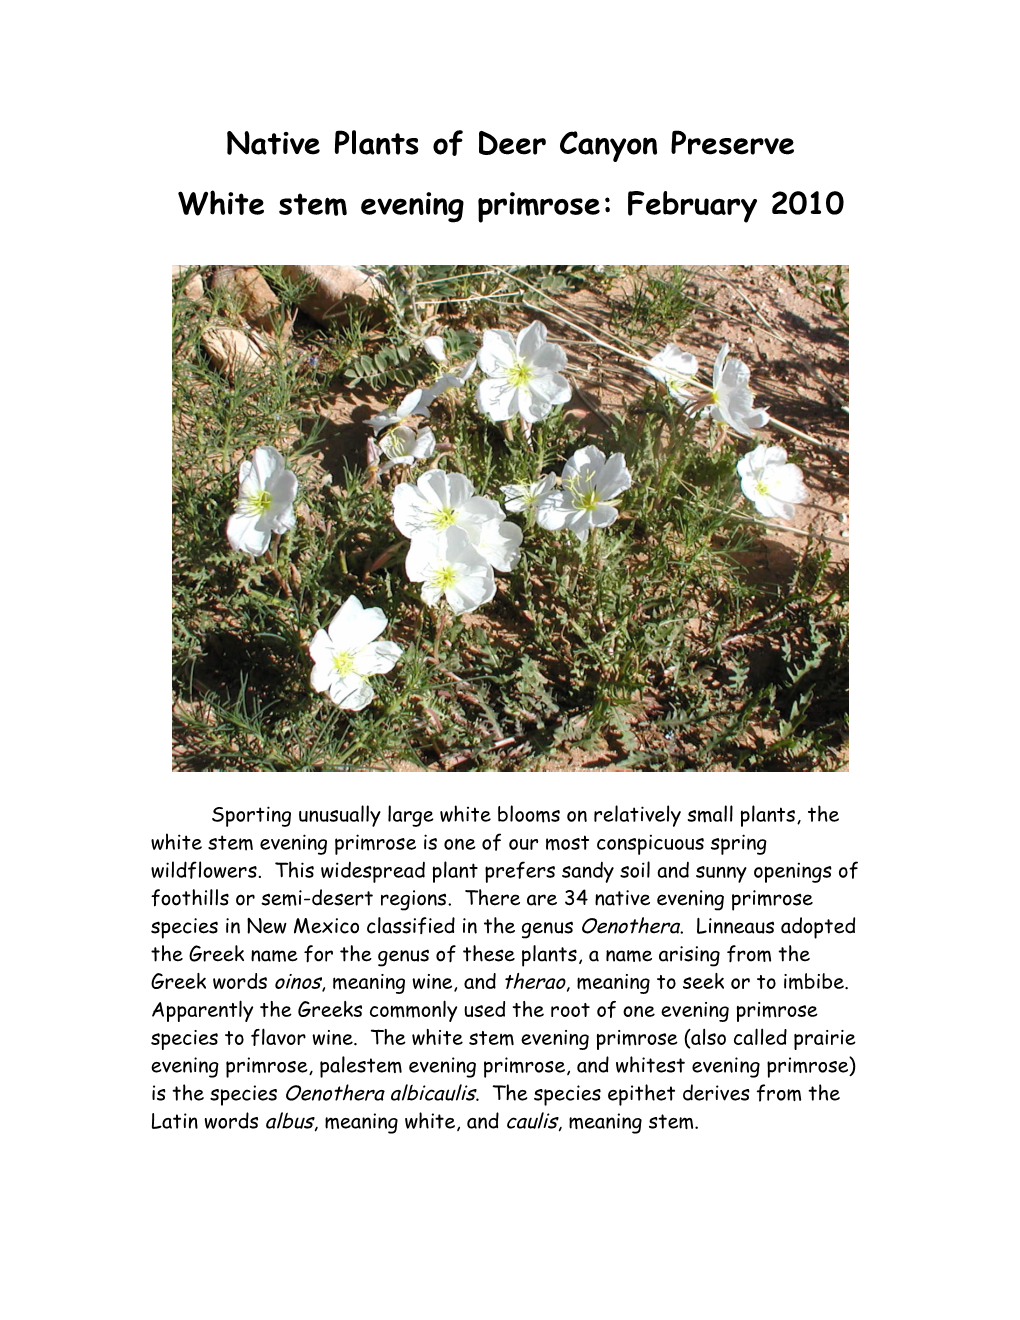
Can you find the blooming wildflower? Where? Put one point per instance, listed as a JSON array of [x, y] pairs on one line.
[[447, 564], [731, 399], [522, 499], [498, 541], [434, 347], [439, 500], [452, 380], [771, 484], [265, 502], [348, 652], [676, 370], [418, 402], [403, 445], [415, 404], [521, 377], [582, 502]]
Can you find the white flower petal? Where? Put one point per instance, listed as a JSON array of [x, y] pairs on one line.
[[477, 510], [603, 515], [614, 478], [320, 648], [474, 588], [531, 341], [323, 674], [717, 367], [551, 388], [425, 444], [554, 510], [496, 398], [245, 535], [589, 459], [736, 374], [353, 629], [549, 358], [412, 513], [351, 692], [580, 525], [420, 557], [497, 351], [498, 541], [672, 367], [377, 658], [448, 381], [531, 406], [266, 463]]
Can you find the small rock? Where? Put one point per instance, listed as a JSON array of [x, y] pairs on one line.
[[254, 299], [334, 287], [231, 350], [193, 289]]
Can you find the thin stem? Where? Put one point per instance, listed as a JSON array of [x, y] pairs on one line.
[[778, 527], [820, 444]]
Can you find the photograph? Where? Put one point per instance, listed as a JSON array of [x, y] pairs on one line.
[[510, 518]]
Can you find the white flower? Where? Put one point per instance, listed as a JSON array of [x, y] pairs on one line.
[[521, 377], [452, 380], [498, 541], [522, 499], [588, 484], [265, 502], [731, 399], [418, 402], [347, 653], [771, 484], [676, 370], [447, 564], [440, 500], [403, 445], [415, 404], [434, 347]]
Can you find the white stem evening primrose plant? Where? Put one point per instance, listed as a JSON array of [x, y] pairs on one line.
[[498, 542], [418, 402], [347, 653], [440, 500], [526, 498], [772, 484], [521, 375], [452, 380], [415, 404], [435, 348], [730, 398], [448, 566], [265, 502], [404, 445], [677, 371], [588, 486]]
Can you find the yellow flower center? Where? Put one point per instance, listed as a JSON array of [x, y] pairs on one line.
[[761, 486], [443, 518], [584, 496], [519, 375], [343, 663], [444, 577], [259, 502]]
